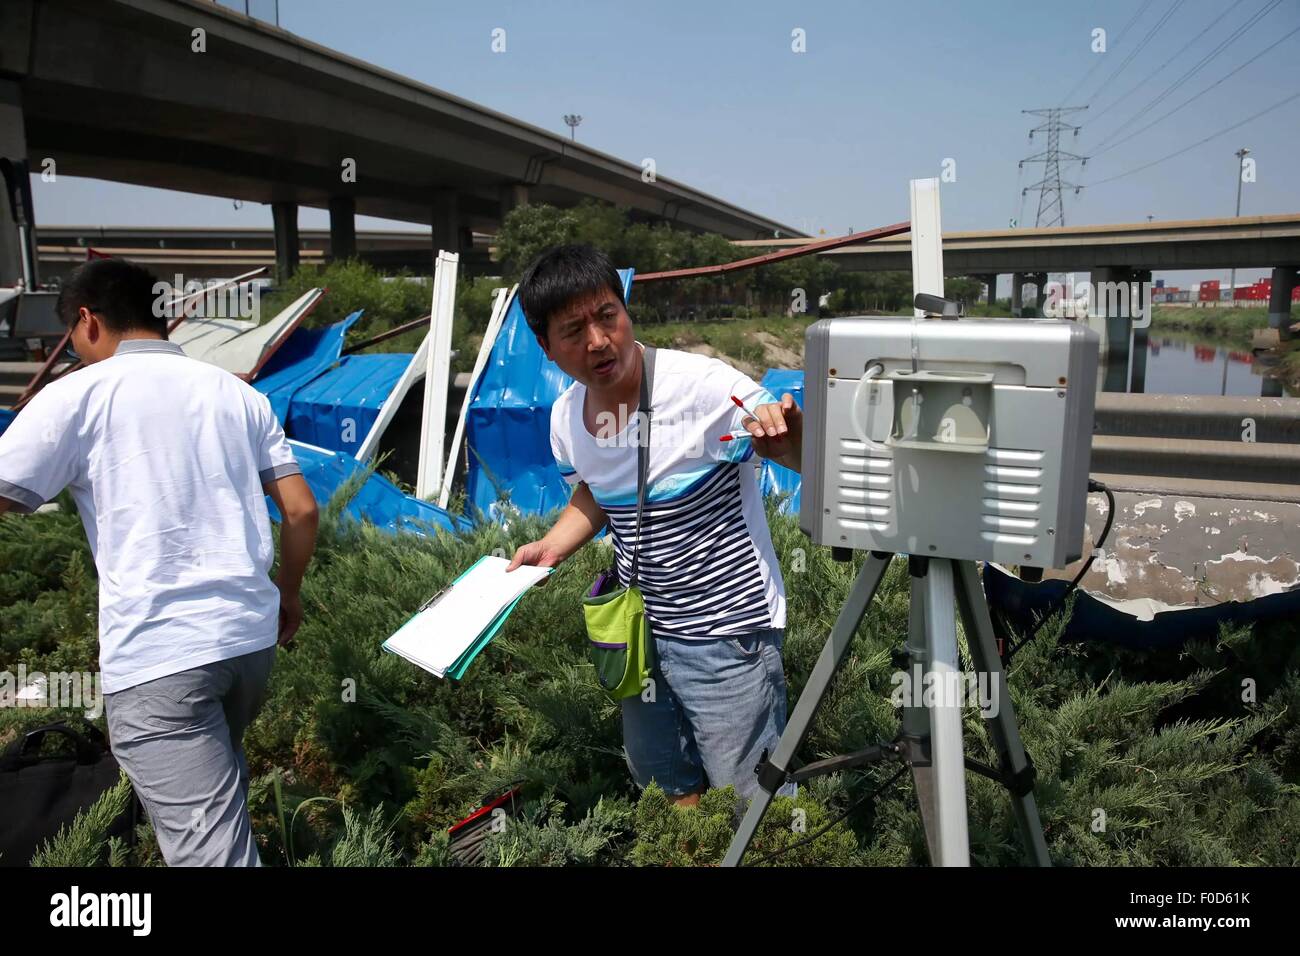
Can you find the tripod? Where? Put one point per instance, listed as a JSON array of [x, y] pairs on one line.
[[930, 740]]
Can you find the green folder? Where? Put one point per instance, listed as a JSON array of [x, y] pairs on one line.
[[457, 669]]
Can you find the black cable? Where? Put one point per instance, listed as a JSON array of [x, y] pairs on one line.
[[1195, 96], [1099, 59], [1199, 142], [843, 816], [1140, 83], [1269, 7], [1069, 588], [1173, 8]]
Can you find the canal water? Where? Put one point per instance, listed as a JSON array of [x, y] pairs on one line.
[[1187, 365]]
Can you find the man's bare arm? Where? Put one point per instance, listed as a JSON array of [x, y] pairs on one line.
[[299, 516], [579, 522]]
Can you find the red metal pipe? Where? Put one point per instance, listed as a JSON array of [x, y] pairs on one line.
[[39, 378], [883, 232], [390, 334]]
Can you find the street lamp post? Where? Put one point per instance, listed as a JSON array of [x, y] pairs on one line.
[[572, 120], [1241, 155]]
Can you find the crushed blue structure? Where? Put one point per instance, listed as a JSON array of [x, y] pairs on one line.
[[328, 402], [337, 409], [328, 405], [378, 500], [307, 355]]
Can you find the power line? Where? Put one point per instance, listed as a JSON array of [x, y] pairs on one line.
[[1155, 28], [1106, 109], [1100, 59], [1201, 64], [1199, 142], [1164, 116]]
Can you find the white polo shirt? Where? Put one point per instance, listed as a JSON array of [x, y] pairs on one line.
[[165, 457]]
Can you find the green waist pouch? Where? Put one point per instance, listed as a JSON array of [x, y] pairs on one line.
[[619, 641]]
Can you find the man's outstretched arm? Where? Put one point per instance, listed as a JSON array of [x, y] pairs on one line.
[[578, 523]]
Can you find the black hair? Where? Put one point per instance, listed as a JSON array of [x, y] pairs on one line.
[[560, 276], [120, 292]]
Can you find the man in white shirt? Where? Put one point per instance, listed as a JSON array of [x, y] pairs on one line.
[[707, 571], [168, 460]]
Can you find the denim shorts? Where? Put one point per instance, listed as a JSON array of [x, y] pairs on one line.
[[717, 704]]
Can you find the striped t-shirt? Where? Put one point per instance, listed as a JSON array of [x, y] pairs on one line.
[[707, 568]]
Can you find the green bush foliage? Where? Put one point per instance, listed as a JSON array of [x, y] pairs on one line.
[[359, 758]]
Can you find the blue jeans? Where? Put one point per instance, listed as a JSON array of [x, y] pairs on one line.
[[718, 704]]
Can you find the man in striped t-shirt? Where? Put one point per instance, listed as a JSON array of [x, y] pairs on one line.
[[711, 581]]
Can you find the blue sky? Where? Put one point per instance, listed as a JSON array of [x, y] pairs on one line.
[[827, 139]]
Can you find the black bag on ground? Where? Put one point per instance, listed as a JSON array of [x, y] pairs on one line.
[[40, 794]]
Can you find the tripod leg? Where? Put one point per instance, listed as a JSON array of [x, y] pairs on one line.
[[846, 625], [1002, 727], [947, 754], [915, 718]]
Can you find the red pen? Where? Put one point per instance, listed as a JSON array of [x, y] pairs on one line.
[[743, 408], [733, 436]]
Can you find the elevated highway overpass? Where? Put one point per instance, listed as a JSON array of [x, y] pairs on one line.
[[116, 90]]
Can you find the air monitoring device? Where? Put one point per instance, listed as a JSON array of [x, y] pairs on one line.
[[948, 441], [965, 439]]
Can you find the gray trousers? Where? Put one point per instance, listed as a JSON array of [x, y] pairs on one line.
[[180, 740]]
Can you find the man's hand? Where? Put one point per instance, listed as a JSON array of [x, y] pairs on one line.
[[290, 615], [578, 523], [538, 554], [778, 432]]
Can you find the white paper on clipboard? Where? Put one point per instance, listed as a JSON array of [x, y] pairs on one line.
[[437, 636]]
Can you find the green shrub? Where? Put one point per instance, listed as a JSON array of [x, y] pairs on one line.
[[1144, 758]]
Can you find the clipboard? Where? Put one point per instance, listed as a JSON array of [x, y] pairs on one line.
[[456, 670]]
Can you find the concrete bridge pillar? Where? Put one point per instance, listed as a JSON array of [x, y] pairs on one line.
[[1279, 301], [1039, 282], [284, 221], [513, 195], [1114, 303], [1017, 293], [1142, 298], [343, 227], [449, 235], [991, 296], [15, 249]]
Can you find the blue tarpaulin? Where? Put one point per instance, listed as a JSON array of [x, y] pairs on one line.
[[508, 425], [1021, 604], [378, 501], [337, 409], [306, 354], [777, 479], [6, 416]]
